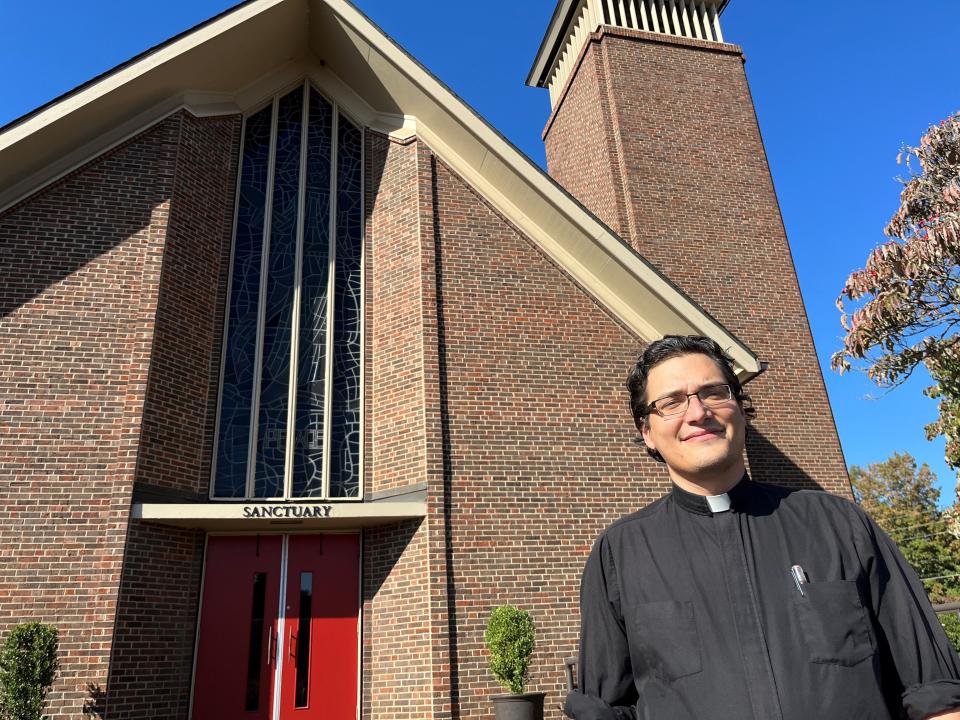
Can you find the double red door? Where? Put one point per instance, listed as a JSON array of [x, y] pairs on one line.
[[278, 628]]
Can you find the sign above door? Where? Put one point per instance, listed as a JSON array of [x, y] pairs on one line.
[[261, 516]]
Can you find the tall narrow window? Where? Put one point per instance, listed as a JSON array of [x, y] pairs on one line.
[[303, 640], [345, 432], [308, 458], [289, 422], [255, 653]]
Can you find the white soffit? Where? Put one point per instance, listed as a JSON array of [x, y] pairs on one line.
[[226, 62]]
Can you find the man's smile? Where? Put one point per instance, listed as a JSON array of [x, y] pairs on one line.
[[703, 435]]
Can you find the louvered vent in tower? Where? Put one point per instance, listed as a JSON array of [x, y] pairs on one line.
[[697, 19]]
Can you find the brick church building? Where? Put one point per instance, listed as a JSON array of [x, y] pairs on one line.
[[305, 367]]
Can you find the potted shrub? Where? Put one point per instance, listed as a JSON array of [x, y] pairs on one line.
[[509, 638], [28, 666]]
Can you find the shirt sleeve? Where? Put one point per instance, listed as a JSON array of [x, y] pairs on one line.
[[911, 639], [604, 670]]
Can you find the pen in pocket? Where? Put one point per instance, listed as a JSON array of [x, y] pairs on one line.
[[799, 578]]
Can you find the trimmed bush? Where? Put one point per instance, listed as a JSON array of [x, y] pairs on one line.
[[509, 638], [28, 666]]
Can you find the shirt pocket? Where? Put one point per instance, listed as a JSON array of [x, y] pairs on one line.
[[834, 623], [664, 641]]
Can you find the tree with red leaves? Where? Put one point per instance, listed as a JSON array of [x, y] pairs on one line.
[[903, 308]]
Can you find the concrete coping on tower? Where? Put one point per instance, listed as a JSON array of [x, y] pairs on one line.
[[574, 21], [234, 516]]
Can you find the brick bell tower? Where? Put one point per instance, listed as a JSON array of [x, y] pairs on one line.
[[653, 128]]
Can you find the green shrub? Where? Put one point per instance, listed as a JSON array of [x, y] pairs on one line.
[[951, 625], [509, 638], [28, 666]]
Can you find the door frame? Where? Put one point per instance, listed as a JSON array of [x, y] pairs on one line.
[[283, 572]]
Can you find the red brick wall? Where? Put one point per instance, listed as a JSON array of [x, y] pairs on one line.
[[157, 613], [394, 326], [541, 452], [397, 666], [152, 663], [593, 160], [109, 338], [179, 414], [702, 208], [81, 266]]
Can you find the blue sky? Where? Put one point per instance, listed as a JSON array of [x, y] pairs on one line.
[[838, 88]]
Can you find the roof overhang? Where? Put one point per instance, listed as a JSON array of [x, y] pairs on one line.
[[555, 36], [235, 61]]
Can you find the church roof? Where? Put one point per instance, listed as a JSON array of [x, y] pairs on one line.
[[232, 62]]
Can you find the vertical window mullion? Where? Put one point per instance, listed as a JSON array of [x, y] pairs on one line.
[[295, 320], [261, 307], [363, 297], [331, 299]]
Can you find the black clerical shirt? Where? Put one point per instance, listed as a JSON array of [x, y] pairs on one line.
[[689, 614]]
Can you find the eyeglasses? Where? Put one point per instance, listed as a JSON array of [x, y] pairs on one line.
[[677, 404]]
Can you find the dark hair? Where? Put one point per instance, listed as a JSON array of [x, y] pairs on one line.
[[671, 346]]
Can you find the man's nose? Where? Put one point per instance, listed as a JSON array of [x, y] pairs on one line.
[[695, 409]]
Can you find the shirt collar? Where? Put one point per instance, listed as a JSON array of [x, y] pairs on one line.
[[701, 505]]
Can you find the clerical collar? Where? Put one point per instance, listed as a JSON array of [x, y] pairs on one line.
[[711, 504], [719, 503]]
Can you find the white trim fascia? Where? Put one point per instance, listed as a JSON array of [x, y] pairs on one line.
[[198, 103], [353, 105], [334, 88], [206, 104], [550, 38], [278, 81], [121, 77], [91, 150]]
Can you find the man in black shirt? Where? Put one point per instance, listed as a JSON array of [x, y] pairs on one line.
[[728, 599]]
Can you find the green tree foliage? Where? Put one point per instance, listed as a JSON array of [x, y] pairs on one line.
[[509, 638], [902, 309], [904, 500], [28, 666]]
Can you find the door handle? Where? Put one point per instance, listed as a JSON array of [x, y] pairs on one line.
[[269, 645], [290, 640]]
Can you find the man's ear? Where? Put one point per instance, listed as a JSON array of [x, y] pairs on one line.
[[645, 431]]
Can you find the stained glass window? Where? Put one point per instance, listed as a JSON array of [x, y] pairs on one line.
[[312, 361], [345, 400], [239, 367], [289, 423]]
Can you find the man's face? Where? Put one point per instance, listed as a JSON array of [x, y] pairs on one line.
[[704, 442]]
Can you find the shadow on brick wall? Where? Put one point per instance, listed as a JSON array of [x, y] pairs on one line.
[[769, 464], [59, 231], [95, 705]]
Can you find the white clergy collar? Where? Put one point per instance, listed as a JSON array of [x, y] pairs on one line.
[[718, 503], [734, 500]]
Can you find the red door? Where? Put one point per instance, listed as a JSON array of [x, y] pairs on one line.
[[320, 628], [238, 620], [242, 638]]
